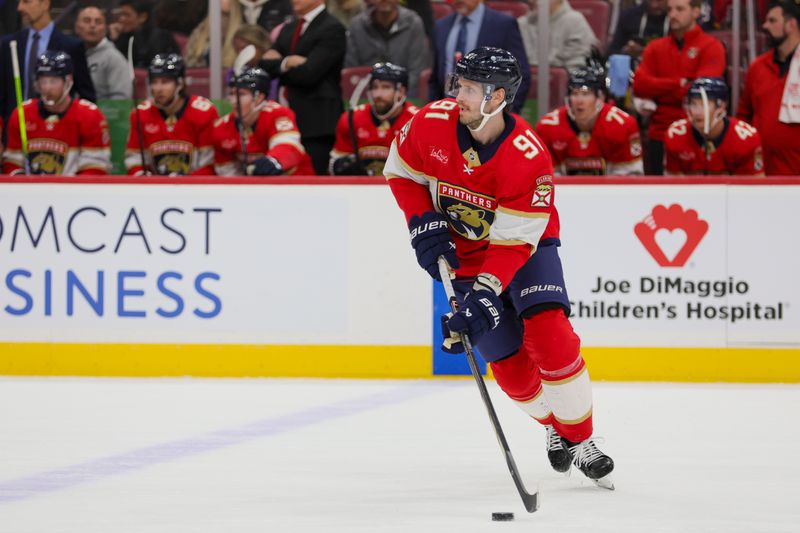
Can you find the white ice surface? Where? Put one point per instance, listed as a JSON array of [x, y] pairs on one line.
[[147, 456]]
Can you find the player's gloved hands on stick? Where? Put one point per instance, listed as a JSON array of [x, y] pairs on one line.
[[478, 315], [348, 165], [452, 341], [431, 238], [265, 166]]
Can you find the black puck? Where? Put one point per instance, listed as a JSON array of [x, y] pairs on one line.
[[502, 517]]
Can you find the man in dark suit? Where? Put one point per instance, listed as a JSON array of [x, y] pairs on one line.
[[473, 25], [40, 35], [307, 57]]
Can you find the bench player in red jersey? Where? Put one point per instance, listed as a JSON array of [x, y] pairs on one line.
[[708, 141], [173, 129], [272, 140], [363, 135], [476, 186], [66, 135], [589, 136]]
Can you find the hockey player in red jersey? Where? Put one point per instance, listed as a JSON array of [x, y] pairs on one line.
[[174, 128], [372, 127], [476, 186], [272, 140], [589, 136], [708, 141], [66, 135]]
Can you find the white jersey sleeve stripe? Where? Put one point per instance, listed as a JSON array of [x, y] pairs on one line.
[[512, 227], [628, 168]]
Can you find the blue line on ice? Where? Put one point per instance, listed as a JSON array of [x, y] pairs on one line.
[[114, 465]]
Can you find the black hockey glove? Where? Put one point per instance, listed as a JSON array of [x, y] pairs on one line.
[[431, 238], [348, 165], [478, 315], [265, 166]]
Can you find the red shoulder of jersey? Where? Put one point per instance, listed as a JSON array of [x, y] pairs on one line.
[[619, 132]]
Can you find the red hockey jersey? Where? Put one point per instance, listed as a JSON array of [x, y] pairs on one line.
[[498, 199], [75, 142], [612, 147], [665, 62], [275, 134], [174, 146], [372, 135], [737, 151], [760, 105]]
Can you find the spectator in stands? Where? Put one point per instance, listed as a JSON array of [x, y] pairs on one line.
[[308, 56], [706, 141], [39, 35], [346, 10], [638, 26], [365, 134], [9, 19], [271, 140], [133, 18], [668, 67], [473, 25], [589, 136], [768, 101], [197, 48], [388, 32], [251, 34], [266, 13], [425, 11], [109, 69], [571, 37], [180, 16]]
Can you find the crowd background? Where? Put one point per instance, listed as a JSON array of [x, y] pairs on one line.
[[425, 37]]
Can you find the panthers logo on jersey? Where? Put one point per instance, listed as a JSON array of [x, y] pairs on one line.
[[469, 214], [172, 158], [47, 156]]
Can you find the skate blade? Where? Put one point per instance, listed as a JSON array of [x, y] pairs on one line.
[[604, 482]]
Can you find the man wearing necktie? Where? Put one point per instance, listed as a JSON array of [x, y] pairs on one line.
[[472, 25], [39, 36], [307, 58]]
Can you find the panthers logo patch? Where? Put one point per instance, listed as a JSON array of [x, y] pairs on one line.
[[469, 214], [47, 156], [172, 158]]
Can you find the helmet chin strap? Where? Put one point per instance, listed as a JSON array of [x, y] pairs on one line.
[[709, 121], [487, 116], [598, 106], [64, 95], [252, 116], [399, 100]]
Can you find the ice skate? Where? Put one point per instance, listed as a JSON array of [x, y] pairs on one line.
[[557, 452], [595, 465]]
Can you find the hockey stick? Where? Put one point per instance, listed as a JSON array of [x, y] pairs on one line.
[[358, 90], [530, 501], [23, 128], [244, 57], [139, 132]]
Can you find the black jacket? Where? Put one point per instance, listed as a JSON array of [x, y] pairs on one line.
[[313, 89], [58, 41], [148, 41]]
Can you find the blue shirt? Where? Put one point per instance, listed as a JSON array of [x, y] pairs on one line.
[[475, 19], [44, 40]]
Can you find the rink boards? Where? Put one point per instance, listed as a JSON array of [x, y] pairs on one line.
[[670, 279]]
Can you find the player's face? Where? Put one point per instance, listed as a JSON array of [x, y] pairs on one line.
[[51, 87], [245, 99], [90, 26], [583, 103], [697, 115], [469, 98], [383, 95], [681, 15], [163, 90]]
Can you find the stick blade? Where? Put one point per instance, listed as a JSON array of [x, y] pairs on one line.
[[244, 57]]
